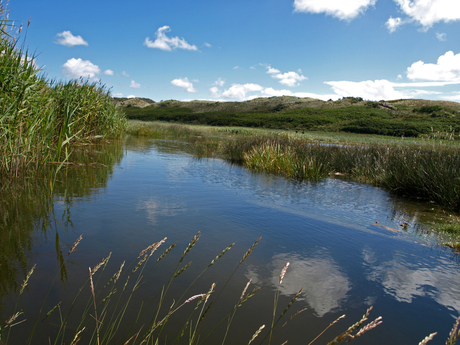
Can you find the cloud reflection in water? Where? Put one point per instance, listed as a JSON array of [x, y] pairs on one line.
[[405, 281], [324, 285]]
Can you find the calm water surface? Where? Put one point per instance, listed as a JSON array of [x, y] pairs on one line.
[[150, 189]]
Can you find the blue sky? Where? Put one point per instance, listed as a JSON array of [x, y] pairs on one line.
[[238, 50]]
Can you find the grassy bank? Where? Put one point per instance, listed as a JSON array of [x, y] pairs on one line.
[[41, 119], [390, 119]]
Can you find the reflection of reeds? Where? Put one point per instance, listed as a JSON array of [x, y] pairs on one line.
[[103, 319]]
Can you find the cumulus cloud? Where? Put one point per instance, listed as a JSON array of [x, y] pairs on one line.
[[134, 84], [393, 23], [66, 38], [342, 9], [288, 78], [441, 36], [374, 90], [184, 83], [108, 72], [206, 44], [239, 91], [244, 92], [446, 69], [75, 68], [236, 91], [164, 42], [384, 89], [125, 74], [430, 12]]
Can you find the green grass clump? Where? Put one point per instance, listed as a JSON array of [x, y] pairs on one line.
[[40, 119]]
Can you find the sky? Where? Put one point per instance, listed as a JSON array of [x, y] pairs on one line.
[[243, 49]]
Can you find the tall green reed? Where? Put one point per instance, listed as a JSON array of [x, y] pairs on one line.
[[40, 119]]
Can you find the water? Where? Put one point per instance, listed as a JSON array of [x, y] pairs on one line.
[[150, 189]]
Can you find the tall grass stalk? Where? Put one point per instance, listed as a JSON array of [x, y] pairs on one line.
[[41, 119]]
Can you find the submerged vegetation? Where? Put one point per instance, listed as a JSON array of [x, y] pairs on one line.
[[41, 119]]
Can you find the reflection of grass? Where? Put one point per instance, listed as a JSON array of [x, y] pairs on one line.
[[27, 206], [104, 318]]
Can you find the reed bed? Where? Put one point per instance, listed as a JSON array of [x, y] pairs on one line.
[[107, 299], [41, 119]]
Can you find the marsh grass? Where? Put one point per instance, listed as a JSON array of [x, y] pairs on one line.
[[41, 119]]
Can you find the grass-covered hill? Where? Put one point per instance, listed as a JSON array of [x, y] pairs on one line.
[[405, 117]]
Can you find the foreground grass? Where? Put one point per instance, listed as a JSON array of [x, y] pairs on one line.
[[41, 119], [106, 304]]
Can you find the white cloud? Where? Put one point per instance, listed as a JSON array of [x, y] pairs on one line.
[[271, 92], [125, 74], [131, 96], [393, 23], [75, 68], [342, 9], [184, 83], [428, 12], [67, 39], [134, 84], [164, 42], [446, 69], [236, 67], [215, 92], [271, 70], [239, 91], [206, 44], [219, 82], [441, 36], [108, 72], [374, 90], [118, 94], [455, 97], [288, 78]]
